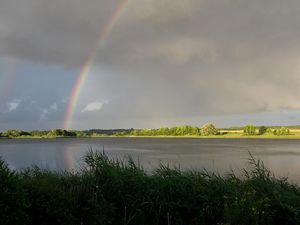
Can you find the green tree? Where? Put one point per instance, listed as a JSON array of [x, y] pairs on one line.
[[15, 133], [80, 134], [208, 129], [249, 130], [281, 131], [134, 133], [38, 133], [55, 133], [269, 130], [262, 130], [163, 131]]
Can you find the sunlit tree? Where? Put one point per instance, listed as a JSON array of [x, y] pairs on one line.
[[209, 129], [249, 130], [281, 131]]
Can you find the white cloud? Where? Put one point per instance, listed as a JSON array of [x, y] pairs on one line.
[[44, 114], [54, 106], [13, 105], [94, 106], [47, 111]]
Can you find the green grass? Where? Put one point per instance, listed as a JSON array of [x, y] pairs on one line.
[[107, 191]]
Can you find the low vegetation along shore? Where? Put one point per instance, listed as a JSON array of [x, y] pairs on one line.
[[206, 131], [113, 192]]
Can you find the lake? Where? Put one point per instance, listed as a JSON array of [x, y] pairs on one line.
[[216, 155]]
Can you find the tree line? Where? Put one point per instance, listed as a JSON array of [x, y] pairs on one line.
[[186, 130], [207, 129], [252, 130]]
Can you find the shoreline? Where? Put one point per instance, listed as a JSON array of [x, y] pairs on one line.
[[283, 137]]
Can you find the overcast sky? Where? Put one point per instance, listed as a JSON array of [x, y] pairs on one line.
[[165, 63]]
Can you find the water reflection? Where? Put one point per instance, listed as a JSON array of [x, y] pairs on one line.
[[218, 155]]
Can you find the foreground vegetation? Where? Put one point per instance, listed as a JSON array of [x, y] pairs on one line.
[[113, 192], [207, 130]]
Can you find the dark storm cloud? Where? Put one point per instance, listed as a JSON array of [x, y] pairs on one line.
[[166, 58]]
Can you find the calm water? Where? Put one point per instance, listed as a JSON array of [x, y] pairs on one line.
[[218, 155]]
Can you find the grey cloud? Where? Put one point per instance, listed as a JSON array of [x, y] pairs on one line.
[[166, 11], [165, 58], [179, 51], [52, 31], [54, 106]]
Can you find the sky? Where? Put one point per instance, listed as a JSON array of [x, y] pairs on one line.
[[162, 63]]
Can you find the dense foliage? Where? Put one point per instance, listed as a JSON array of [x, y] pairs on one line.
[[114, 192], [186, 130], [262, 130], [249, 130], [209, 129], [46, 134], [15, 133], [281, 131], [173, 131], [12, 197]]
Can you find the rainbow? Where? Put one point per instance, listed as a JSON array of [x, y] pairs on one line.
[[69, 159], [103, 35]]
